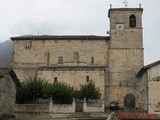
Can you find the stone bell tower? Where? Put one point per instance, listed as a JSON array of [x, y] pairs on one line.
[[125, 56]]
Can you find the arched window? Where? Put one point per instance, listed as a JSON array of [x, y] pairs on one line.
[[132, 21]]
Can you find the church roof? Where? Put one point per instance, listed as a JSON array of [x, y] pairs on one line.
[[143, 69], [60, 37]]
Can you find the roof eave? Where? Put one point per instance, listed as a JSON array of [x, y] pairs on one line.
[[60, 37], [143, 69]]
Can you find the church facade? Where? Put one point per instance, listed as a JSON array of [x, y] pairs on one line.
[[112, 62]]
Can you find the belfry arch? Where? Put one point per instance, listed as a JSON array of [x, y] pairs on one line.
[[132, 21]]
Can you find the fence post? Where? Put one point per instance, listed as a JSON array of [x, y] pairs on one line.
[[74, 105], [84, 105], [103, 106], [50, 105]]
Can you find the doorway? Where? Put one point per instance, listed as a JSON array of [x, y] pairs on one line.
[[129, 101]]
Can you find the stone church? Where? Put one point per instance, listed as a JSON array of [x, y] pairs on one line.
[[112, 62]]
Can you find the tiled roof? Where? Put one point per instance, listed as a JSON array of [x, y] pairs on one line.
[[143, 69], [6, 71]]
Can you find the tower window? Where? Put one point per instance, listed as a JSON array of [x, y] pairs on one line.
[[60, 60], [132, 21]]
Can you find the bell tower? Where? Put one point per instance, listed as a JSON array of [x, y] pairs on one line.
[[125, 55]]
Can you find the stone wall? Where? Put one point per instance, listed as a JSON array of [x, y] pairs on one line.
[[94, 107], [144, 91], [50, 110], [124, 65], [153, 91], [7, 95], [47, 110], [31, 54], [75, 76]]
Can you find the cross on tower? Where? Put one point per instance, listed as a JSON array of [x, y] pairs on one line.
[[125, 3]]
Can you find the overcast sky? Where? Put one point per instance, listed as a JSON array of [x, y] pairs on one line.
[[75, 17]]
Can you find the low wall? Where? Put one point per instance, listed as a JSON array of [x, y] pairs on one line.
[[63, 108], [94, 107], [50, 110], [43, 110], [32, 110]]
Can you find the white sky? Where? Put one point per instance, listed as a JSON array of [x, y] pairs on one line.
[[75, 17]]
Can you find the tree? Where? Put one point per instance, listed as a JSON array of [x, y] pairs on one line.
[[31, 90], [89, 91], [60, 92]]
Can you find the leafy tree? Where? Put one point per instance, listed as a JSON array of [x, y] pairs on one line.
[[31, 90], [47, 90], [89, 91], [60, 92]]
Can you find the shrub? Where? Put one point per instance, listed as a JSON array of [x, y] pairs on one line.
[[89, 91], [61, 93]]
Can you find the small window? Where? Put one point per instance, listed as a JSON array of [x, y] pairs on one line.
[[28, 45], [76, 56], [132, 21], [60, 60], [55, 80], [87, 78], [92, 59]]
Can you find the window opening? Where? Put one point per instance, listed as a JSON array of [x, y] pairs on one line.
[[60, 60], [132, 21], [87, 78], [55, 80], [92, 59], [28, 45], [76, 56]]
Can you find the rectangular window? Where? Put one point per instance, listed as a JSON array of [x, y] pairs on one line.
[[87, 78], [60, 60], [55, 80], [76, 56], [92, 59]]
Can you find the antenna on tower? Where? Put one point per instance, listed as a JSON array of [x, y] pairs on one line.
[[125, 3], [139, 5]]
